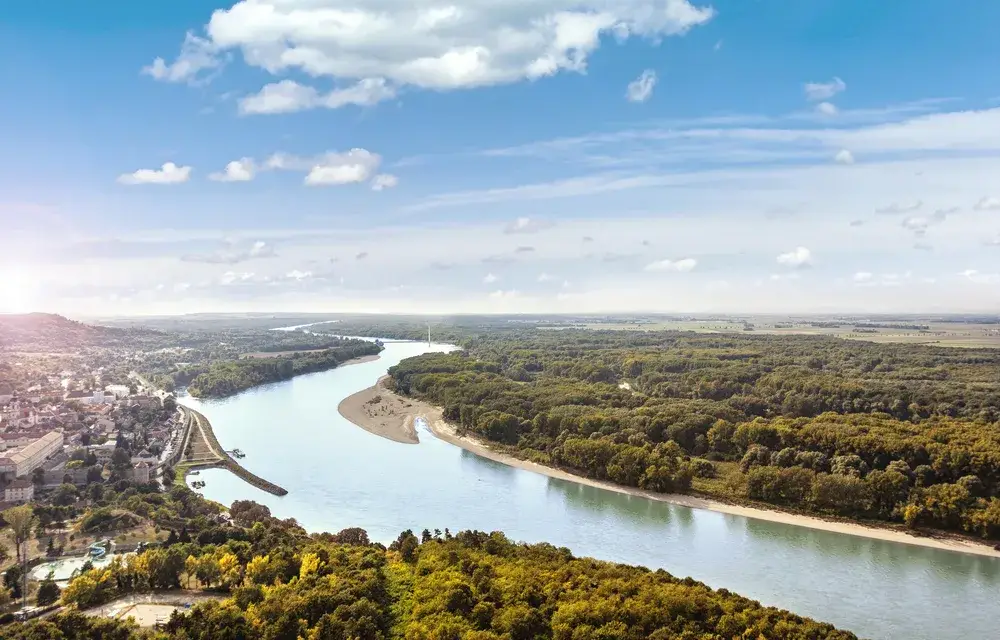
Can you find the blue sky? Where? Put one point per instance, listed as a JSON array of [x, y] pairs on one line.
[[488, 155]]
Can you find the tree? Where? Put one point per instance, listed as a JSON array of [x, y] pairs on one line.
[[65, 495], [22, 522], [12, 580], [48, 592]]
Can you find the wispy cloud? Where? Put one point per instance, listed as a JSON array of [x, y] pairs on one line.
[[824, 90], [641, 89]]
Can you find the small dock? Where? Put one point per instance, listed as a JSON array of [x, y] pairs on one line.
[[203, 451]]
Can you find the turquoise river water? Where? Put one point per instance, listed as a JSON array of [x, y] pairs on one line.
[[340, 476]]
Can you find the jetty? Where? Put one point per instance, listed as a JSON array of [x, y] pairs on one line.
[[201, 450]]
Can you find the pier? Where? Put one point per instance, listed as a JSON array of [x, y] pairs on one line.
[[201, 450]]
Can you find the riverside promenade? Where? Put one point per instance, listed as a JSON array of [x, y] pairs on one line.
[[202, 451]]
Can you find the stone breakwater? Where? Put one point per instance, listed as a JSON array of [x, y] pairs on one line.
[[206, 452]]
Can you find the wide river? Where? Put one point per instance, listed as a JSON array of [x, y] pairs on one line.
[[339, 476]]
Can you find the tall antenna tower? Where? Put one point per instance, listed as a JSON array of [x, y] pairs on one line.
[[428, 334]]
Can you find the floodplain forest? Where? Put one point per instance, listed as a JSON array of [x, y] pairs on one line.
[[876, 432]]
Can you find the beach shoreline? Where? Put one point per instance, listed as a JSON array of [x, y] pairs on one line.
[[381, 412], [401, 429]]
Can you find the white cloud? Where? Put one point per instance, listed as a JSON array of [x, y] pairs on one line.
[[384, 181], [544, 277], [169, 173], [816, 91], [232, 277], [233, 253], [458, 45], [796, 259], [988, 204], [975, 276], [862, 276], [331, 168], [827, 109], [298, 276], [683, 265], [527, 225], [897, 207], [241, 170], [197, 55], [844, 157], [288, 96], [490, 279], [641, 89], [916, 225]]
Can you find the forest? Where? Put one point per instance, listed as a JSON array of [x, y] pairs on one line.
[[279, 582], [228, 377], [878, 432]]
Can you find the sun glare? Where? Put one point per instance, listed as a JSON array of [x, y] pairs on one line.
[[17, 292]]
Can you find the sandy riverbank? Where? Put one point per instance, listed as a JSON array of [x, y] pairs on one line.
[[393, 416], [384, 413], [360, 360]]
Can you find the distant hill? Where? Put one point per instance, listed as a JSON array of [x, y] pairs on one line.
[[51, 332]]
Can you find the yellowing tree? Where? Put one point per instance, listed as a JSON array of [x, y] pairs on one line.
[[229, 570], [310, 565]]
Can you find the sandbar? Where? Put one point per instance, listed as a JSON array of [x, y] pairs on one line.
[[379, 411]]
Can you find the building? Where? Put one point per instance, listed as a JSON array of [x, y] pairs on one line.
[[119, 391], [141, 473], [20, 490], [32, 455], [104, 451], [6, 394]]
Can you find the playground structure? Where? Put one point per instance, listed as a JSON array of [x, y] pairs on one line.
[[99, 549]]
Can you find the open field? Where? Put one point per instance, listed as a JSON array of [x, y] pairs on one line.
[[941, 334]]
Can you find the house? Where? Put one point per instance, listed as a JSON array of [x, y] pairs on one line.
[[18, 491], [119, 391], [104, 451], [141, 473], [144, 456], [105, 425]]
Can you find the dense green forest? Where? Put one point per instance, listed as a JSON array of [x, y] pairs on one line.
[[899, 433], [280, 583], [225, 378]]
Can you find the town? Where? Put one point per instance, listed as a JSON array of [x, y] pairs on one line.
[[52, 436]]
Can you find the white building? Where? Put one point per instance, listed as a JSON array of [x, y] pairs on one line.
[[119, 391], [32, 455], [20, 490]]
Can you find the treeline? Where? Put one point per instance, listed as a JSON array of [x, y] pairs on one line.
[[221, 379], [809, 418], [280, 582]]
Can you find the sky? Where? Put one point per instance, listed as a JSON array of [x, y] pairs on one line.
[[500, 156]]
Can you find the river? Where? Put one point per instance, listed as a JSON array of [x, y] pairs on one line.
[[340, 476]]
